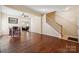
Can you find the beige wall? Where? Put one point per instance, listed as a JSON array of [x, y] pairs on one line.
[[36, 24], [0, 22], [5, 25], [69, 21], [77, 9], [78, 27], [47, 29]]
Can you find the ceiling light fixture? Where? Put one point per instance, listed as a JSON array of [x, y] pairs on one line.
[[23, 15], [67, 8]]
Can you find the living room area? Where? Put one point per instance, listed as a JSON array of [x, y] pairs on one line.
[[27, 29]]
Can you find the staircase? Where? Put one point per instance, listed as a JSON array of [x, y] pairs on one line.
[[50, 19]]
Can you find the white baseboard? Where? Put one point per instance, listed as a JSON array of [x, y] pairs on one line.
[[1, 34]]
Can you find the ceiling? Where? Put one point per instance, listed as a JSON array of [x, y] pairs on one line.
[[47, 8]]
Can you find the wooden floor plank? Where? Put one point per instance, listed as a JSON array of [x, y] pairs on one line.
[[36, 43]]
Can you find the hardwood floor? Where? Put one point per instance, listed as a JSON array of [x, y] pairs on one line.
[[37, 43]]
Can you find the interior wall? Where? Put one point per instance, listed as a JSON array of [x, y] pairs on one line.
[[0, 19], [78, 27], [5, 25], [77, 10], [35, 21], [0, 22], [47, 29], [68, 20], [36, 24]]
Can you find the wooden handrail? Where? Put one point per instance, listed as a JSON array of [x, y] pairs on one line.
[[61, 31], [60, 27]]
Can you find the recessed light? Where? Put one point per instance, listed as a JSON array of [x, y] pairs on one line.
[[67, 8]]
